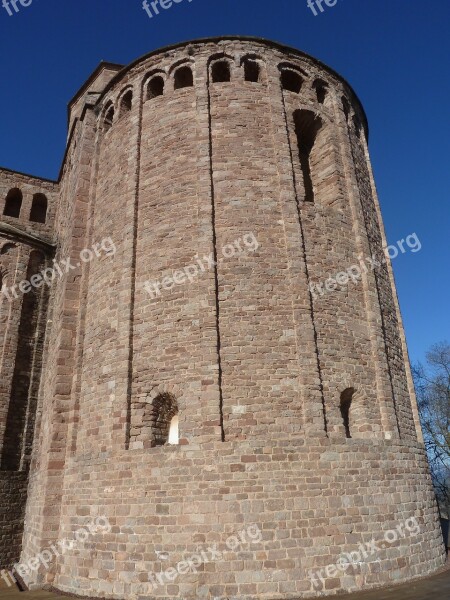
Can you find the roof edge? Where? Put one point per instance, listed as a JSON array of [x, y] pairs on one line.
[[122, 69], [16, 233], [21, 173], [98, 69]]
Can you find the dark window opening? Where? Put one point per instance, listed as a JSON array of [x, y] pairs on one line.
[[307, 125], [164, 419], [251, 71], [38, 212], [183, 78], [109, 119], [126, 102], [221, 72], [321, 91], [346, 402], [13, 203], [291, 81], [155, 87]]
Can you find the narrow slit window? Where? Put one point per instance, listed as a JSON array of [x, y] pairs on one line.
[[346, 405], [221, 72], [174, 432], [307, 125], [183, 78]]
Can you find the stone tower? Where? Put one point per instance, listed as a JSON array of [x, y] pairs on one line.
[[208, 192]]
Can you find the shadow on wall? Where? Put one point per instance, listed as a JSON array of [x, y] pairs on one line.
[[445, 532]]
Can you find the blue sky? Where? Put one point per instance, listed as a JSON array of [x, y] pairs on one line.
[[395, 54]]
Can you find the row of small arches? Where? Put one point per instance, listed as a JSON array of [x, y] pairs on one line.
[[292, 81], [183, 78], [220, 72], [13, 206]]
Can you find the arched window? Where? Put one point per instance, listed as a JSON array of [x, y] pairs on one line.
[[307, 125], [251, 70], [155, 87], [346, 403], [126, 102], [221, 71], [108, 118], [183, 78], [13, 203], [291, 81], [38, 212], [164, 420], [321, 90]]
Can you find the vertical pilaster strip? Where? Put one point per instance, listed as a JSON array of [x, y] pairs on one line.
[[11, 310], [214, 251], [311, 388], [362, 183], [129, 397], [19, 405], [47, 485], [35, 371], [388, 414], [79, 346], [407, 364]]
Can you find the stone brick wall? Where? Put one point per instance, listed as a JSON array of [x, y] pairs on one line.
[[13, 495], [136, 185], [26, 248], [311, 501], [259, 369], [394, 354], [29, 186], [54, 431]]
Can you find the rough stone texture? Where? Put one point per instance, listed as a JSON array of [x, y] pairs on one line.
[[13, 495], [255, 365], [25, 249]]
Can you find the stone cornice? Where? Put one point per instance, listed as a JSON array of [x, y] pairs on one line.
[[18, 235]]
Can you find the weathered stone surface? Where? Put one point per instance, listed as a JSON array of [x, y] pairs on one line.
[[233, 187]]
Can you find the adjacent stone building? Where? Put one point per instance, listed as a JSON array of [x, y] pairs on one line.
[[230, 176]]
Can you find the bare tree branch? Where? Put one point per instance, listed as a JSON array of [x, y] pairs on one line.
[[433, 397]]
